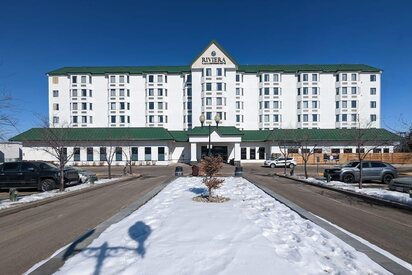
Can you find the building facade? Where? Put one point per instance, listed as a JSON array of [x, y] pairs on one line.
[[248, 97]]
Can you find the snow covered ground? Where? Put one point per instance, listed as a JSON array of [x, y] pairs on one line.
[[373, 192], [44, 195], [250, 234]]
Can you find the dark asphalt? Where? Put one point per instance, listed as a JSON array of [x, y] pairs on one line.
[[32, 235], [388, 228]]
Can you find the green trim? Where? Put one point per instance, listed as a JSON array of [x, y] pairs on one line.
[[120, 70], [155, 134], [327, 68]]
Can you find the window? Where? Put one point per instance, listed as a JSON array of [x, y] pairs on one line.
[[266, 117], [376, 164], [373, 104], [151, 119], [298, 91], [242, 153], [373, 77], [121, 105], [55, 119], [266, 104], [122, 119], [119, 154], [314, 90], [237, 118], [276, 78], [266, 77], [219, 71], [219, 86], [335, 151], [344, 77], [90, 119], [89, 153], [161, 153], [84, 119], [337, 91], [305, 104], [10, 167], [208, 101], [121, 92], [373, 91], [134, 156], [76, 154], [298, 118], [337, 78], [314, 77], [353, 104], [90, 93], [305, 118], [189, 91], [113, 106], [84, 92], [314, 104], [121, 79], [208, 86], [337, 104], [151, 78], [354, 117], [267, 91], [150, 92], [208, 72], [83, 79], [160, 78], [298, 77], [261, 152], [298, 105], [305, 77], [337, 118], [252, 153], [74, 119], [344, 104], [55, 93], [160, 119], [148, 153], [151, 105], [276, 91], [112, 92], [56, 106], [239, 78], [112, 79], [344, 90], [353, 77], [275, 118], [84, 106], [305, 90], [209, 115], [344, 117], [113, 119], [74, 79], [347, 150], [219, 101], [160, 105], [74, 92], [315, 118], [373, 117], [27, 167], [354, 90], [386, 150], [276, 104]]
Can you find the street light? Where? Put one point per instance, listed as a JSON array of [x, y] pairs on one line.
[[217, 119], [202, 121]]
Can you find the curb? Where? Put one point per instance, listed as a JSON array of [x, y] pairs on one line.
[[355, 194], [24, 206], [53, 264], [374, 255]]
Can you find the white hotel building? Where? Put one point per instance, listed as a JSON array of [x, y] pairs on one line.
[[251, 101]]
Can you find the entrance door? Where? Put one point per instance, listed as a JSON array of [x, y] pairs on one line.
[[216, 151]]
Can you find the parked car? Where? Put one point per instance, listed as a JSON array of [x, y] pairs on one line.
[[403, 184], [371, 170], [280, 162], [85, 175], [34, 174]]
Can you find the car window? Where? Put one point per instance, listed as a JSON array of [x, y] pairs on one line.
[[365, 164], [377, 165], [25, 166], [351, 164], [47, 166], [11, 167]]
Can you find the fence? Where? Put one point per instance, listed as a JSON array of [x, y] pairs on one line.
[[396, 158]]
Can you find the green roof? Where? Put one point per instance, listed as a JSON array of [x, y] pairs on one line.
[[95, 134], [328, 68], [221, 130], [372, 134], [153, 133]]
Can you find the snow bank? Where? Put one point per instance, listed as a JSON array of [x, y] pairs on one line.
[[44, 195], [373, 192], [250, 234]]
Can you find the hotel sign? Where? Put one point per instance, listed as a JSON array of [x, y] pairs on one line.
[[213, 60]]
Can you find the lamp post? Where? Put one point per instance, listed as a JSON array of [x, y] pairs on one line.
[[202, 121]]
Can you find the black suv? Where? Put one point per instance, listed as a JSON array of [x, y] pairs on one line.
[[34, 174]]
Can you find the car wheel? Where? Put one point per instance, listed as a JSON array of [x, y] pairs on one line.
[[348, 178], [272, 165], [386, 179], [291, 166], [47, 185]]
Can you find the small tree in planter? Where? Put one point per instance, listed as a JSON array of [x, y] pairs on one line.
[[210, 167]]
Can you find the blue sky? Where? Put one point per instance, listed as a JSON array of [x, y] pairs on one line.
[[38, 36]]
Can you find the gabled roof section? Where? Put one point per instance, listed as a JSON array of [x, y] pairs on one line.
[[221, 130], [120, 70], [95, 134], [327, 68], [179, 136], [214, 42], [255, 135]]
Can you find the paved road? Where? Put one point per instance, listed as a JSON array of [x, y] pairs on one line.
[[388, 228], [32, 235]]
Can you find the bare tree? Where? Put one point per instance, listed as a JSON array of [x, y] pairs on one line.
[[56, 141], [128, 156], [305, 151], [6, 119], [211, 166], [108, 154]]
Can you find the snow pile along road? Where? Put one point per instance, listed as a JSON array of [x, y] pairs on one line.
[[44, 195], [388, 195], [250, 234]]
